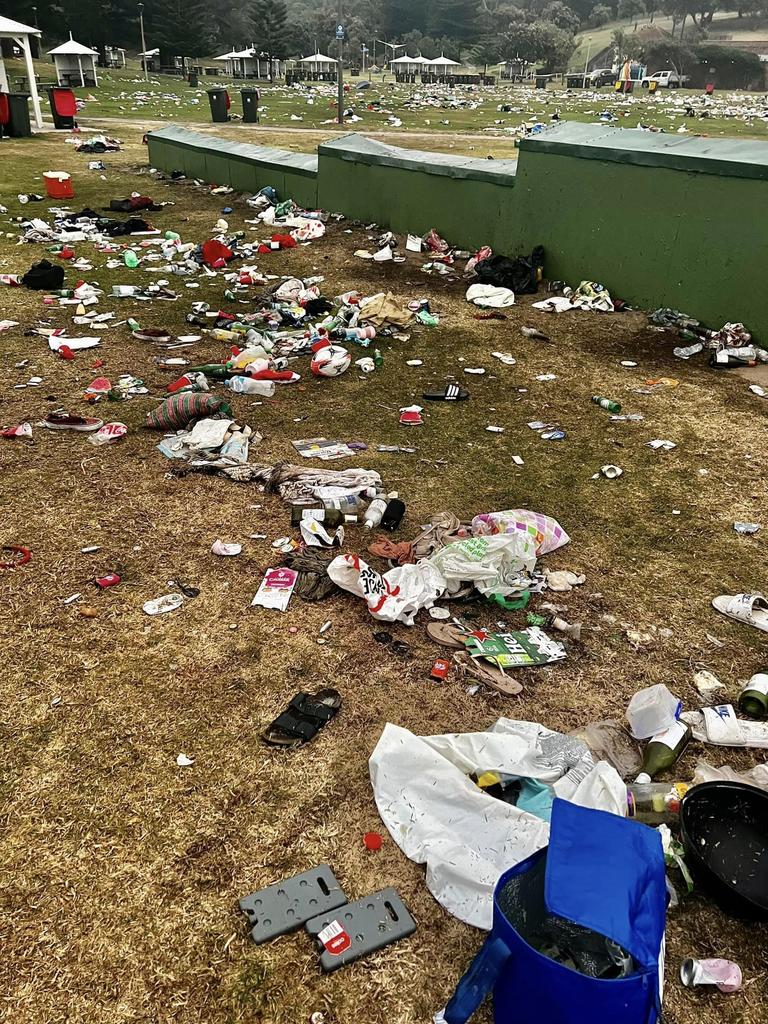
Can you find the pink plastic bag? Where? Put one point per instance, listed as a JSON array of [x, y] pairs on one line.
[[547, 533]]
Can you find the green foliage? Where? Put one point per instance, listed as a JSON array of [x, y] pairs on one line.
[[560, 14], [600, 15], [539, 42]]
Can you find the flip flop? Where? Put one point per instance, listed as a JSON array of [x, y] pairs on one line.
[[303, 719], [488, 675], [450, 393], [447, 634], [751, 609]]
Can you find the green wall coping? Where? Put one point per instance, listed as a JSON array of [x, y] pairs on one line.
[[733, 158], [359, 149], [304, 164]]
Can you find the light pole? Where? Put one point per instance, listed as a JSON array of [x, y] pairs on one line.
[[586, 62], [143, 43], [393, 47], [364, 51], [340, 65]]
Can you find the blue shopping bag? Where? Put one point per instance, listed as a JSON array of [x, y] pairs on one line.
[[601, 878]]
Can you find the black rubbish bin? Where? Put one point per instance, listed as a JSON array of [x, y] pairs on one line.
[[193, 79], [219, 100], [541, 82], [18, 108], [250, 105], [63, 106]]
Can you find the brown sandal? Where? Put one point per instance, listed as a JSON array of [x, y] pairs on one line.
[[447, 634], [488, 675]]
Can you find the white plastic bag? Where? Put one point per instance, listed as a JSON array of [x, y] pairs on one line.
[[395, 596], [496, 565]]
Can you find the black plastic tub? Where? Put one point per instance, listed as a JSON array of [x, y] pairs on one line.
[[724, 828]]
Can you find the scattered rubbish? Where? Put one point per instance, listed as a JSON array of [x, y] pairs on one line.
[[723, 974], [285, 906], [161, 605], [226, 550], [746, 528], [667, 446], [183, 761], [365, 926], [276, 589], [707, 684], [611, 472]]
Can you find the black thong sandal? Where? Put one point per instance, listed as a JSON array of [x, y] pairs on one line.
[[304, 717], [450, 393]]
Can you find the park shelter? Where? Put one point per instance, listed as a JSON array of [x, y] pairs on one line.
[[403, 65], [20, 35], [75, 63], [228, 59], [115, 56], [441, 64], [150, 58], [318, 62]]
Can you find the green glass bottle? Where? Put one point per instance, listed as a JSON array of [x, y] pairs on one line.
[[664, 750], [606, 403], [753, 699]]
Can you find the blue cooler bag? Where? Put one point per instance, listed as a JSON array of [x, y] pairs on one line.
[[594, 899]]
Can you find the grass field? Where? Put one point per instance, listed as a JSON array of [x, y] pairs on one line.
[[420, 111], [119, 871]]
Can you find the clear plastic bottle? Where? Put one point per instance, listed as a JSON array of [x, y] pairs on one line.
[[249, 386], [655, 803], [130, 259], [375, 511]]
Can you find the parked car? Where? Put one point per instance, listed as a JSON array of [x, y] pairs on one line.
[[665, 80], [602, 76], [593, 79]]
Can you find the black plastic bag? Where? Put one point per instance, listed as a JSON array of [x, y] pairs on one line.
[[44, 277], [520, 275]]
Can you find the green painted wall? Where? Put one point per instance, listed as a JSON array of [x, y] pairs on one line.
[[661, 220], [469, 202], [245, 167], [653, 236]]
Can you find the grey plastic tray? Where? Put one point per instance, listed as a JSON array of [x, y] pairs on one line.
[[370, 924], [286, 906]]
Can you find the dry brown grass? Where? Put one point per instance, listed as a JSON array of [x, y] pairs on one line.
[[120, 871]]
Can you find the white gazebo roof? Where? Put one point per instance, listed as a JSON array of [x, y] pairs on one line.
[[405, 59], [155, 53], [224, 56], [442, 60], [318, 58], [9, 29], [75, 49]]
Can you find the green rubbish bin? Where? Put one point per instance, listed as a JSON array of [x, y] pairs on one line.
[[18, 108], [219, 100], [193, 79], [250, 105], [541, 82]]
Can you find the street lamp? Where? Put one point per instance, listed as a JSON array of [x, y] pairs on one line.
[[393, 47], [340, 65], [143, 43], [34, 11], [364, 51]]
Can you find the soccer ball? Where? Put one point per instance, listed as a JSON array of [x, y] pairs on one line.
[[330, 361]]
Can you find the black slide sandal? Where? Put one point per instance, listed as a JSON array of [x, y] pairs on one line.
[[451, 393], [304, 717]]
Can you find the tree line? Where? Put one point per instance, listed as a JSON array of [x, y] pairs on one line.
[[482, 32]]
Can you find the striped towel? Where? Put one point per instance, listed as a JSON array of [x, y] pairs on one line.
[[180, 409]]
